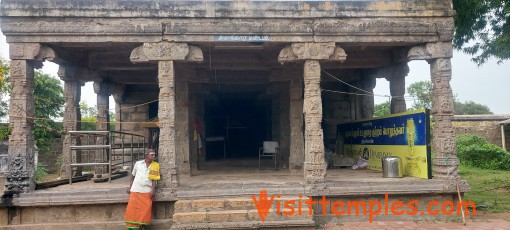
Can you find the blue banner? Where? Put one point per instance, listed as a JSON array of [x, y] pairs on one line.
[[405, 135]]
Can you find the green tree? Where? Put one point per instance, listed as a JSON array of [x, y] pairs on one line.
[[471, 108], [4, 72], [86, 110], [382, 109], [482, 29], [49, 101], [88, 116], [422, 92]]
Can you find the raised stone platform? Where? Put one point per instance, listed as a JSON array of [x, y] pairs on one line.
[[86, 202]]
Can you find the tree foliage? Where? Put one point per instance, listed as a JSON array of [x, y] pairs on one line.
[[88, 116], [49, 101], [4, 72], [422, 92], [476, 151], [482, 29], [382, 109], [471, 108]]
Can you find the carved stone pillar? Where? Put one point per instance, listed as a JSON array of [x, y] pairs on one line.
[[397, 90], [284, 128], [315, 165], [368, 100], [21, 169], [297, 145], [102, 121], [118, 97], [103, 105], [165, 53], [166, 115], [72, 115], [396, 76], [445, 162], [182, 127], [311, 53]]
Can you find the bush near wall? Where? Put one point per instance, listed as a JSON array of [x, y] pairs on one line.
[[476, 151]]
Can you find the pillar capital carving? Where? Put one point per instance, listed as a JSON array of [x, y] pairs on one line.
[[45, 54], [70, 73], [395, 71], [166, 51], [312, 51], [431, 51], [30, 51], [117, 91], [101, 87], [67, 73], [23, 51]]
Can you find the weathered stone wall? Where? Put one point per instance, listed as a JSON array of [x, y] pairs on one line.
[[482, 125], [51, 159], [104, 216], [239, 8], [337, 110], [388, 21], [4, 145], [133, 118]]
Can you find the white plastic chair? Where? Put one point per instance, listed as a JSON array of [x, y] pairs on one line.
[[269, 149]]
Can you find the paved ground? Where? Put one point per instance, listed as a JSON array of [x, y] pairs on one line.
[[482, 222]]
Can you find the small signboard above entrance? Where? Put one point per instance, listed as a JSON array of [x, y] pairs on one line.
[[241, 38]]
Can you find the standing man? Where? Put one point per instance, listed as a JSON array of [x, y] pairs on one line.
[[142, 187]]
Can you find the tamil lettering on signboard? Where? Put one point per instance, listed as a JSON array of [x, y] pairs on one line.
[[241, 38], [406, 135]]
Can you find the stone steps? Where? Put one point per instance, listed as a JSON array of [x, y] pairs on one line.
[[113, 225], [238, 213]]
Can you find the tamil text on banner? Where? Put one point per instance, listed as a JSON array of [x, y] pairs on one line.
[[405, 135]]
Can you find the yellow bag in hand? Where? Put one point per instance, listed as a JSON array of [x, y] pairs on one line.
[[154, 171]]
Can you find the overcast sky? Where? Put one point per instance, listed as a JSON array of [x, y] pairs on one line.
[[488, 84]]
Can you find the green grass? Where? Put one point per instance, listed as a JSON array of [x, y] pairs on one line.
[[490, 189]]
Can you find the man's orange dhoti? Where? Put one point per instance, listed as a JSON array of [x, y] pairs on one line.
[[138, 212]]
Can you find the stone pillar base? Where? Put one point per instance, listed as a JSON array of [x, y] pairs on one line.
[[445, 168], [315, 173]]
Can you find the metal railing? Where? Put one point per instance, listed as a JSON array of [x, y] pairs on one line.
[[104, 148]]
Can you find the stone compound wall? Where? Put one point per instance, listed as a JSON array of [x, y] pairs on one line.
[[4, 145], [480, 125], [132, 114], [50, 159]]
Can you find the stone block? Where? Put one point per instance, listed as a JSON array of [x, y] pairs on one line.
[[4, 217], [253, 215], [138, 116], [207, 204], [85, 213], [55, 214], [182, 205], [230, 215], [27, 215], [240, 203], [190, 217]]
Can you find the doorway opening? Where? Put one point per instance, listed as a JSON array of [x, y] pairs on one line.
[[236, 125]]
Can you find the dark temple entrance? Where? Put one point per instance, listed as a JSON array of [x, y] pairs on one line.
[[237, 115], [237, 123]]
